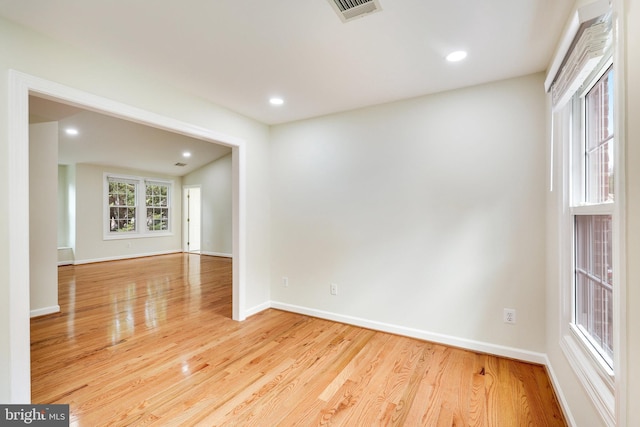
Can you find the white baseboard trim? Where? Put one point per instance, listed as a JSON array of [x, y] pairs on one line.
[[65, 255], [564, 405], [257, 309], [45, 310], [219, 254], [467, 344], [128, 256]]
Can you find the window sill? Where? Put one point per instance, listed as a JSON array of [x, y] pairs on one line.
[[593, 209], [597, 383], [125, 236]]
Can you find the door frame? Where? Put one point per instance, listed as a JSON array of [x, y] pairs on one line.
[[21, 85]]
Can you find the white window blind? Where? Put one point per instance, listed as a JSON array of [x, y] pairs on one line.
[[588, 40]]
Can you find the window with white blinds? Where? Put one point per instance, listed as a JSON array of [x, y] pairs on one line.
[[582, 88]]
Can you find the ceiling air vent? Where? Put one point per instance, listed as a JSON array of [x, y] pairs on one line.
[[352, 9], [180, 164]]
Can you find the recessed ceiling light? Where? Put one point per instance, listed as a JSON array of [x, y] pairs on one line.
[[71, 131], [186, 154], [276, 101], [456, 56]]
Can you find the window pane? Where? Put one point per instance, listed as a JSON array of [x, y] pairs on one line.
[[593, 278], [583, 252], [600, 173], [600, 110], [599, 156], [157, 219]]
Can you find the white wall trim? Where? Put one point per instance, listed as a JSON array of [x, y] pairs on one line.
[[45, 310], [467, 344], [620, 323], [218, 254], [18, 193], [20, 85], [261, 307], [128, 256], [239, 233]]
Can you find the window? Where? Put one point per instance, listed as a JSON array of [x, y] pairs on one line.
[[592, 208], [125, 214], [122, 205], [583, 87], [157, 204]]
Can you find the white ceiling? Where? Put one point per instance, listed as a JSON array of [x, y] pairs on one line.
[[238, 53], [108, 141]]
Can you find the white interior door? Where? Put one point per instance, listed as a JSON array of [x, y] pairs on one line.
[[192, 219]]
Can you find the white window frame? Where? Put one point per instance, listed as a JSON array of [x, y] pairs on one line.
[[141, 208], [579, 207], [156, 182], [600, 380]]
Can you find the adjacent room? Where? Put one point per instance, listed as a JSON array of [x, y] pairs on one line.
[[344, 212]]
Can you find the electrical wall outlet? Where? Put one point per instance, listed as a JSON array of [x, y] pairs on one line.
[[285, 281], [509, 315], [334, 289]]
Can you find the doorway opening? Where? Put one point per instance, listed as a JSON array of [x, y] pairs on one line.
[[21, 85]]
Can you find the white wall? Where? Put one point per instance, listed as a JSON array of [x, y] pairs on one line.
[[427, 213], [215, 182], [31, 53], [63, 206], [90, 244], [43, 217], [66, 214]]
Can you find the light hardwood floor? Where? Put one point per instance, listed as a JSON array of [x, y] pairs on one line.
[[150, 342]]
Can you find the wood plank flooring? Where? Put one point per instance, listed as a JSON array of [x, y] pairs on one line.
[[151, 342]]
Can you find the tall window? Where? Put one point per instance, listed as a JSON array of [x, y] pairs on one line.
[[592, 208], [590, 163], [157, 204], [122, 205], [136, 207]]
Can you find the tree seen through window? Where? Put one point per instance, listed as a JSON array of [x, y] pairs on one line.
[[157, 205], [122, 206]]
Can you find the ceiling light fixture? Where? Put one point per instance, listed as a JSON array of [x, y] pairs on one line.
[[276, 101], [456, 56], [71, 131], [186, 154]]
